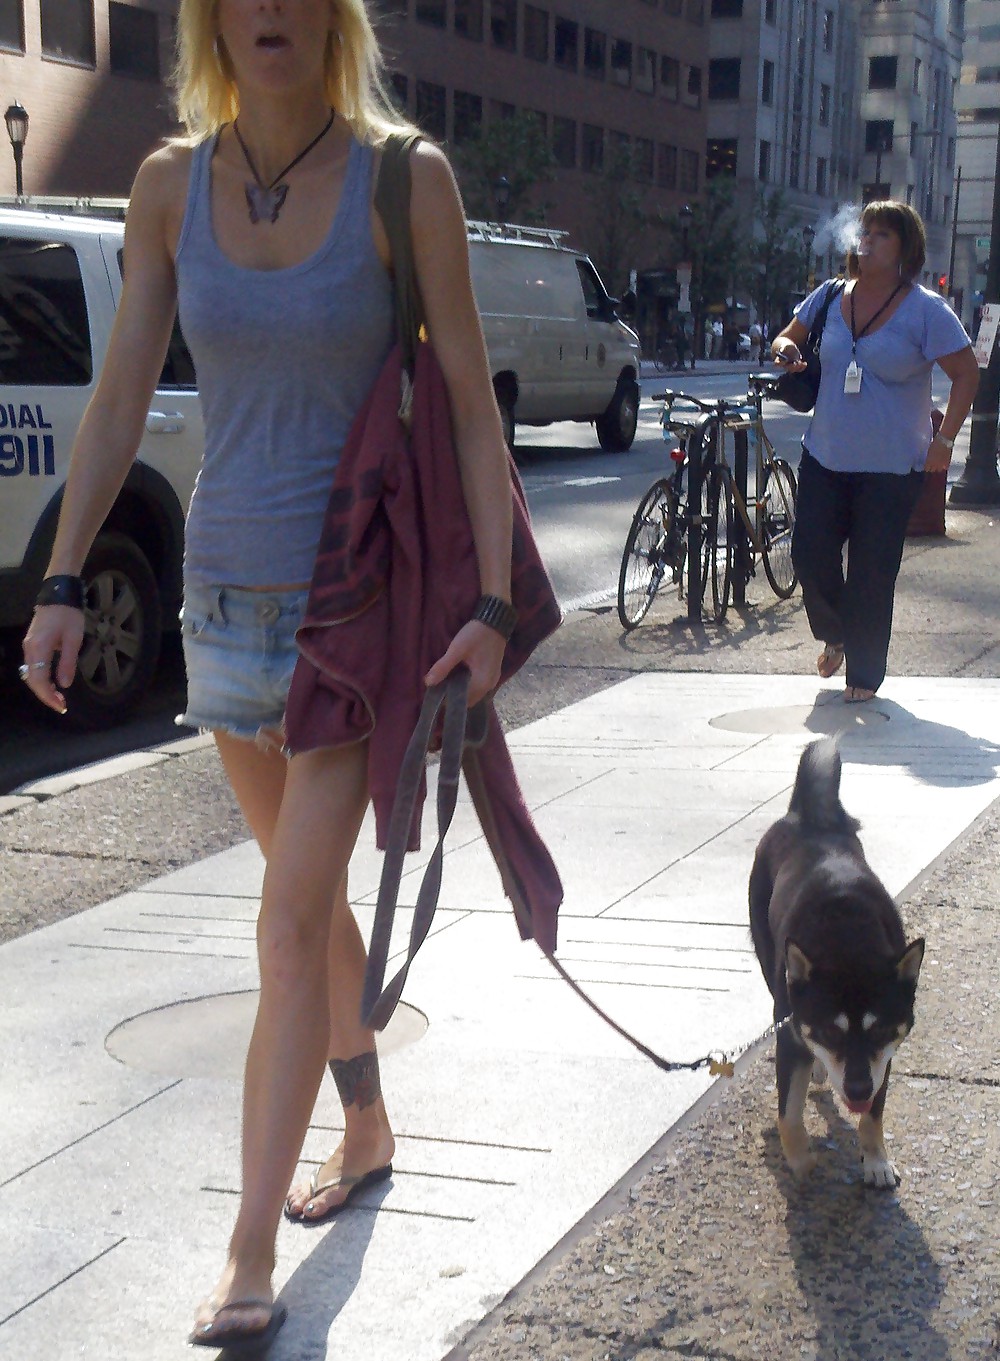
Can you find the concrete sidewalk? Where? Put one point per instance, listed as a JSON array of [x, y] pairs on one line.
[[517, 1111]]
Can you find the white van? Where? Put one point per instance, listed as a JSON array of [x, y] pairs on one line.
[[558, 349], [60, 281]]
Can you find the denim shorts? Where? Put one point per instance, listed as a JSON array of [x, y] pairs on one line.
[[239, 651]]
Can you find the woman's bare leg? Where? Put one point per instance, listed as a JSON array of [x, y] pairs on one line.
[[258, 781], [322, 807]]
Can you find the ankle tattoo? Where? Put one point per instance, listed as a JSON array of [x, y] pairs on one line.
[[357, 1080]]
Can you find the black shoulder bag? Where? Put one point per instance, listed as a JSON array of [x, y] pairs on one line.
[[799, 390]]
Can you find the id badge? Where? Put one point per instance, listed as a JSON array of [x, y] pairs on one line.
[[852, 378]]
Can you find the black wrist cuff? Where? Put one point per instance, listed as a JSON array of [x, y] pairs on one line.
[[61, 590], [496, 614]]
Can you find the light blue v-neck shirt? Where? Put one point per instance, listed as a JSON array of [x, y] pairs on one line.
[[886, 427]]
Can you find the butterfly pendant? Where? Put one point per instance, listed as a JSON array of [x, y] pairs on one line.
[[265, 204]]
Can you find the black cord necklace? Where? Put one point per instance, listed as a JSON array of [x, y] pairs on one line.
[[265, 201]]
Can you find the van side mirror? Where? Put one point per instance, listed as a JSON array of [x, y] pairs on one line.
[[626, 305]]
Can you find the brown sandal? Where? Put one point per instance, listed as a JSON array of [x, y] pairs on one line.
[[830, 660]]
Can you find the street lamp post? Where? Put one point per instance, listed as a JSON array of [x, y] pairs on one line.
[[16, 119], [808, 237], [685, 271], [501, 197]]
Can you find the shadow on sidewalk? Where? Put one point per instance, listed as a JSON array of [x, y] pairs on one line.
[[863, 1266]]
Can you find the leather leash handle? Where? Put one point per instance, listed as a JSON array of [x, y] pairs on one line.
[[378, 1002]]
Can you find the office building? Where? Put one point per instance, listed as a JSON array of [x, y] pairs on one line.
[[978, 108]]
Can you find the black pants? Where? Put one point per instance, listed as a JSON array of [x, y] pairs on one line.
[[869, 512]]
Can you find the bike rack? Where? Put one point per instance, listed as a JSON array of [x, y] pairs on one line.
[[695, 445], [741, 552]]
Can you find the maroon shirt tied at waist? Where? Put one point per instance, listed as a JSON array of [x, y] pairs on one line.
[[396, 577]]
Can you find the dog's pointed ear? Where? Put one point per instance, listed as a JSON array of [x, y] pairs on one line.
[[909, 962], [797, 967]]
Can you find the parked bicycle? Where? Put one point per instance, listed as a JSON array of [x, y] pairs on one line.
[[706, 550]]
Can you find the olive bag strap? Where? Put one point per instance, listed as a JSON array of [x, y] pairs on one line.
[[392, 203]]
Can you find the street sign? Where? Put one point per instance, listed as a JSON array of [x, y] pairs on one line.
[[987, 335], [684, 301], [684, 274], [982, 243]]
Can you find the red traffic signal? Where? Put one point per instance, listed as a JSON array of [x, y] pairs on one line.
[[943, 283]]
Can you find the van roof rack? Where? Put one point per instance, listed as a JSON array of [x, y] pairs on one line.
[[79, 206], [507, 231]]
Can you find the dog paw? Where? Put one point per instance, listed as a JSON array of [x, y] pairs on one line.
[[801, 1165], [879, 1173]]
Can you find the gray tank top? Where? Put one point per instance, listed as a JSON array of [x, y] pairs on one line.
[[285, 359]]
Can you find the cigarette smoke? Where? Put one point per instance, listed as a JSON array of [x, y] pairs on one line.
[[839, 233]]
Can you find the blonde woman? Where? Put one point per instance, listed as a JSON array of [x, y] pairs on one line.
[[261, 226]]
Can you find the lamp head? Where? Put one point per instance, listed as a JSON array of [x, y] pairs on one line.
[[16, 119]]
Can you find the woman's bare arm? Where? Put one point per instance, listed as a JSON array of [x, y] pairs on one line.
[[962, 369], [112, 426], [786, 347], [441, 255]]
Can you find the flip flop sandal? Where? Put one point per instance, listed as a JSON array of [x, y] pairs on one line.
[[238, 1342], [830, 660], [855, 694], [355, 1185]]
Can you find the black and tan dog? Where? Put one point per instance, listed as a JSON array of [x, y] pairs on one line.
[[831, 946]]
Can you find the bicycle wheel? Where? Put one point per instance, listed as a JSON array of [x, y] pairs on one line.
[[718, 544], [776, 524], [644, 560]]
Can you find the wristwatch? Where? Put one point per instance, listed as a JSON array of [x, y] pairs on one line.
[[943, 439]]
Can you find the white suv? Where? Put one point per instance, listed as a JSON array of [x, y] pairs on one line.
[[60, 281]]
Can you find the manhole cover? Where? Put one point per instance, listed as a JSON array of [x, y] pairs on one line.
[[803, 718], [208, 1036]]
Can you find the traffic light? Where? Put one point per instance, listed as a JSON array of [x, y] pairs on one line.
[[943, 285]]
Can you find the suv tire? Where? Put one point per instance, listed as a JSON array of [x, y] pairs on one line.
[[617, 426], [123, 629]]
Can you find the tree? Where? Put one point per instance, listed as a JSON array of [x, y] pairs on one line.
[[716, 247], [776, 256], [514, 147], [617, 220]]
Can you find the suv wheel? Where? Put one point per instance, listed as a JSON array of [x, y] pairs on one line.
[[616, 428], [122, 631]]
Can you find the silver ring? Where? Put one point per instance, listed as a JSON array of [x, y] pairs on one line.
[[26, 667]]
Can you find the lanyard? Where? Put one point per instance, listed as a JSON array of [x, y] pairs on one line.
[[855, 337]]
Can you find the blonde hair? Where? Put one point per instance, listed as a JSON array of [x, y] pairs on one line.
[[205, 85], [908, 225]]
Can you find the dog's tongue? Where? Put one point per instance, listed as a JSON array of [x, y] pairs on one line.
[[859, 1107]]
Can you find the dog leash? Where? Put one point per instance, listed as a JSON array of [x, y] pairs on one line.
[[379, 1000]]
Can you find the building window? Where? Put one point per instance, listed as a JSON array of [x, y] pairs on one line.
[[723, 79], [536, 33], [431, 109], [828, 30], [793, 170], [694, 11], [400, 90], [566, 47], [503, 24], [666, 166], [431, 12], [720, 157], [68, 31], [824, 106], [621, 62], [767, 82], [913, 139], [727, 9], [916, 75], [770, 11], [689, 172], [593, 147], [46, 335], [881, 73], [764, 161], [12, 25], [645, 70], [620, 152], [135, 41], [469, 19], [501, 110], [564, 142], [467, 116], [821, 172], [595, 46], [670, 77], [878, 134], [642, 159], [692, 89]]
